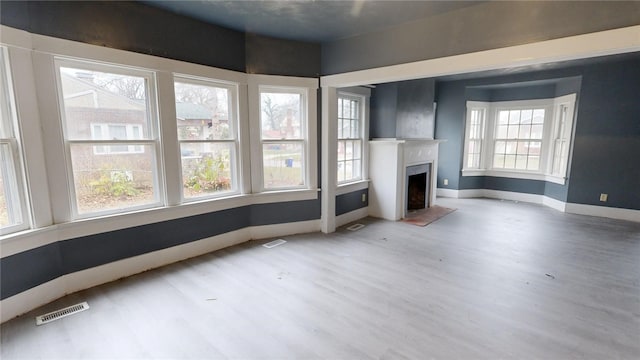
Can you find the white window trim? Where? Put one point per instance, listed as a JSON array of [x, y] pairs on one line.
[[308, 88], [17, 180], [153, 138], [546, 156], [363, 181], [362, 104], [234, 116], [131, 149]]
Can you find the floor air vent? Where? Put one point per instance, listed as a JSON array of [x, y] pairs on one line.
[[355, 227], [59, 314], [274, 243]]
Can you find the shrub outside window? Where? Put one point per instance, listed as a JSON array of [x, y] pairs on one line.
[[110, 132], [207, 133]]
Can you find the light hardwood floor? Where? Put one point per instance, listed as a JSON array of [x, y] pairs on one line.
[[493, 279]]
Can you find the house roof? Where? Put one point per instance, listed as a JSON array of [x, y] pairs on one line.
[[190, 111], [82, 93]]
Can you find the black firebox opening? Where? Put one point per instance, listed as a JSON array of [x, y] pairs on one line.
[[417, 191]]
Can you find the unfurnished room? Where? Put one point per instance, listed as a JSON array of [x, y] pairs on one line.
[[322, 179]]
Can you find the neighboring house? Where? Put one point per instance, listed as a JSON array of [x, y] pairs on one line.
[[95, 113]]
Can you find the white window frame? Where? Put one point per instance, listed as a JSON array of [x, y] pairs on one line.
[[307, 88], [153, 137], [552, 121], [12, 166], [361, 101], [234, 132], [107, 149]]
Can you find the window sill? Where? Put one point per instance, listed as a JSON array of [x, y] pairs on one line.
[[515, 175], [284, 195], [33, 238], [352, 186]]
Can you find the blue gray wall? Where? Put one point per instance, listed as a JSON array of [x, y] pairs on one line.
[[118, 25], [607, 130], [137, 27], [487, 25], [403, 109], [351, 201], [31, 268]]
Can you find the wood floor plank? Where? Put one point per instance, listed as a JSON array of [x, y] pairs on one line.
[[494, 279]]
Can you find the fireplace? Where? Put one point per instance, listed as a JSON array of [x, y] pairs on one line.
[[417, 191], [403, 176]]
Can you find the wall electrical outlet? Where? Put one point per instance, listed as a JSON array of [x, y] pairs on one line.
[[364, 197], [445, 182], [603, 197]]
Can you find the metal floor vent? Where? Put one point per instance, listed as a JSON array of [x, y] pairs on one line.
[[355, 227], [59, 314], [274, 243]]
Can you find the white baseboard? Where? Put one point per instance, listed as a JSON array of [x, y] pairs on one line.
[[44, 293], [269, 231], [352, 216], [30, 299], [554, 204], [571, 208], [513, 196], [604, 211]]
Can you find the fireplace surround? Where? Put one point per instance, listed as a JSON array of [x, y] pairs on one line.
[[391, 162]]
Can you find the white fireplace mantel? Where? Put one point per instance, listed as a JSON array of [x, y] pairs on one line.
[[388, 161]]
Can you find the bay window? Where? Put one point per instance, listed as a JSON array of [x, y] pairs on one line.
[[524, 139]]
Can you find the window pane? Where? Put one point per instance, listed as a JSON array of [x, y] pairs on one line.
[[113, 181], [10, 207], [341, 150], [512, 132], [348, 150], [355, 129], [514, 117], [525, 131], [202, 112], [357, 169], [348, 167], [521, 162], [281, 115], [536, 131], [282, 164], [206, 168], [100, 97], [538, 116], [526, 116], [501, 133], [533, 163], [357, 149], [498, 161], [503, 117], [523, 148]]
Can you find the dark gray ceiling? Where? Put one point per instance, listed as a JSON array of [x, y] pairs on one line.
[[314, 21]]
